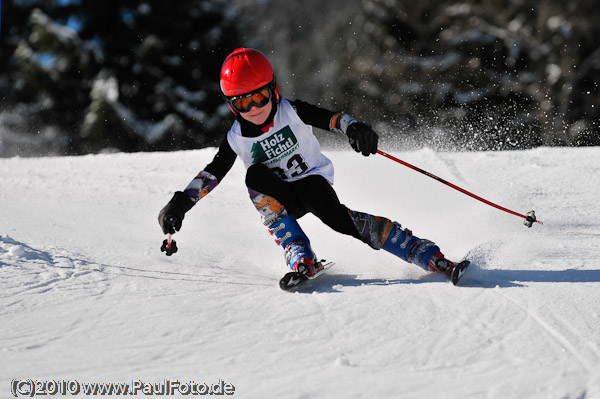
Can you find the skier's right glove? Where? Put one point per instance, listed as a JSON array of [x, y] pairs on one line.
[[171, 216]]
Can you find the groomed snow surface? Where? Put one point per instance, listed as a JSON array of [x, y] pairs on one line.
[[86, 294]]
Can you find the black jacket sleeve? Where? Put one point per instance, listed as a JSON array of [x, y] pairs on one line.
[[313, 115], [223, 160]]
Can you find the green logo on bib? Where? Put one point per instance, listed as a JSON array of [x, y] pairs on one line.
[[275, 147]]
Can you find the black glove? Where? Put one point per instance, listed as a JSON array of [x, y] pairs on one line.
[[171, 216], [362, 138]]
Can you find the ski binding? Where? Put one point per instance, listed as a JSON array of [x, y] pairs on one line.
[[293, 280]]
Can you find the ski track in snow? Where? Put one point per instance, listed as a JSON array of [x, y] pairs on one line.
[[86, 293]]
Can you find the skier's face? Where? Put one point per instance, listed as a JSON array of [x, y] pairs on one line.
[[257, 115]]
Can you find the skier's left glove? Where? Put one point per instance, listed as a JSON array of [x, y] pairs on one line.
[[171, 216], [362, 138]]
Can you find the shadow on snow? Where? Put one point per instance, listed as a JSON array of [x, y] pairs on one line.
[[475, 278]]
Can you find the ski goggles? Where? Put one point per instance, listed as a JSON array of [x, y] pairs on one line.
[[245, 102]]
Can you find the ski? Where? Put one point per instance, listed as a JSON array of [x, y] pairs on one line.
[[294, 280], [458, 271]]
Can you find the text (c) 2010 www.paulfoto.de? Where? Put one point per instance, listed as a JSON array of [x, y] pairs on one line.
[[32, 387]]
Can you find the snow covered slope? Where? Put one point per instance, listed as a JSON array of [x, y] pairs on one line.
[[86, 294]]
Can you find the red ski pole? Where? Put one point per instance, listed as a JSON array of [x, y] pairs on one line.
[[529, 218]]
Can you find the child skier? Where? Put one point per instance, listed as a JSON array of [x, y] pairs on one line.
[[287, 176]]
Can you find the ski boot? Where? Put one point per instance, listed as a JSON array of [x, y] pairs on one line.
[[381, 233], [412, 249], [298, 253], [423, 253]]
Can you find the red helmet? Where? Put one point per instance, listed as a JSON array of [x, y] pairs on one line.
[[246, 70]]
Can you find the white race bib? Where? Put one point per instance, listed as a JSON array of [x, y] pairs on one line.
[[289, 148]]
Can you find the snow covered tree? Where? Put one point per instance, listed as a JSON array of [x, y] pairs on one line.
[[477, 74], [85, 75], [129, 75], [514, 75], [165, 58]]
